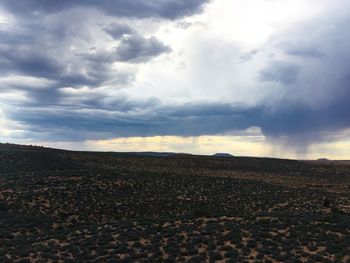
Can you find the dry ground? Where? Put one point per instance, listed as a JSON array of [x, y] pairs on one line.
[[58, 206]]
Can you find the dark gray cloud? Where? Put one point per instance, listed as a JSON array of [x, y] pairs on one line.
[[43, 50], [40, 51], [248, 56], [317, 101], [136, 48], [59, 50], [132, 48], [302, 49], [130, 118], [31, 62], [137, 119], [284, 72], [92, 117], [169, 9], [117, 30]]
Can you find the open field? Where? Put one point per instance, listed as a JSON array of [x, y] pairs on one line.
[[60, 206]]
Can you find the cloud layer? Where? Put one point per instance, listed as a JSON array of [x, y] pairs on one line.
[[169, 9], [105, 69]]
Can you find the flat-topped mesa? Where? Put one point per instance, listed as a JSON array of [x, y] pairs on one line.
[[323, 160], [223, 155]]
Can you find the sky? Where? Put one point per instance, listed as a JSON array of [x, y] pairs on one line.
[[248, 77]]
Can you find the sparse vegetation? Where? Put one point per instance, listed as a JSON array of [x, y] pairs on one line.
[[115, 208]]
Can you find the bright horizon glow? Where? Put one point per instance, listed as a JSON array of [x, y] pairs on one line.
[[251, 146]]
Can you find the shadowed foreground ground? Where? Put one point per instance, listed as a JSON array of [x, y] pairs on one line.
[[58, 206]]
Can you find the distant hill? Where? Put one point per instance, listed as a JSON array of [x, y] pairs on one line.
[[223, 155], [17, 147], [323, 160], [157, 154], [14, 158]]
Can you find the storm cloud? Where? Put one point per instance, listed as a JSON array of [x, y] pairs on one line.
[[169, 9], [52, 50], [105, 69], [283, 72], [139, 49], [305, 50], [117, 30]]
